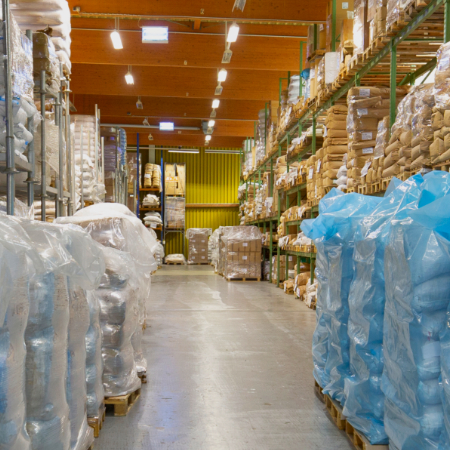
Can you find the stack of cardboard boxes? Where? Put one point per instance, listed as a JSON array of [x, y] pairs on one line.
[[175, 212], [243, 253], [291, 265], [175, 179], [198, 245]]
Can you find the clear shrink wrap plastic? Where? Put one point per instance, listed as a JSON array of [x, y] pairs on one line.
[[174, 212], [176, 258], [118, 318], [55, 336], [242, 246], [364, 404], [417, 274], [335, 229], [19, 264], [223, 232], [214, 244], [442, 78], [114, 225], [198, 244]]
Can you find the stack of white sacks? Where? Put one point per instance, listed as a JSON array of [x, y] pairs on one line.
[[22, 102], [87, 175], [70, 322], [55, 14]]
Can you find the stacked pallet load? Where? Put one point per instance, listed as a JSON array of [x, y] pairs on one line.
[[198, 245], [376, 17], [243, 253], [366, 107], [284, 259], [375, 171], [440, 149], [335, 145], [174, 216]]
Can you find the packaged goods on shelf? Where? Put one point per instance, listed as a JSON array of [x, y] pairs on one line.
[[294, 90], [176, 258], [20, 264], [150, 200], [288, 286], [243, 252], [175, 179], [364, 397], [266, 270], [152, 219], [174, 216], [310, 296], [333, 232], [56, 404], [377, 13], [87, 172], [132, 171], [152, 176], [440, 148], [55, 14], [366, 107], [360, 27], [283, 258], [415, 342], [198, 244]]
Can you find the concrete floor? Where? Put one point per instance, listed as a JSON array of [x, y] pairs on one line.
[[229, 368]]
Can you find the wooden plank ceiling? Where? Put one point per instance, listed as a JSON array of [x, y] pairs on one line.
[[176, 81]]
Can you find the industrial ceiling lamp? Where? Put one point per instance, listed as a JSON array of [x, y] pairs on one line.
[[115, 36], [211, 123], [239, 4], [150, 137], [227, 54], [129, 77], [146, 122], [215, 103], [222, 75], [213, 113], [139, 104], [208, 137], [233, 33]]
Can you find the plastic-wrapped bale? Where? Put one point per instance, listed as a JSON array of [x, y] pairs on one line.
[[175, 258], [198, 244], [55, 336], [19, 263], [243, 252], [320, 345], [417, 274], [335, 229], [117, 297], [364, 405], [214, 243], [94, 361]]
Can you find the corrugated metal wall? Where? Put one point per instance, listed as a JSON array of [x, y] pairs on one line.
[[210, 178]]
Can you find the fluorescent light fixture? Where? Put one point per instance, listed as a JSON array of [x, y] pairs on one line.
[[184, 150], [222, 76], [225, 152], [211, 123], [155, 35], [116, 40], [166, 126], [139, 104], [208, 137], [129, 77], [233, 33], [215, 103]]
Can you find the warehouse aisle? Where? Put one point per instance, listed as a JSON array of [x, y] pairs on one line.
[[230, 368]]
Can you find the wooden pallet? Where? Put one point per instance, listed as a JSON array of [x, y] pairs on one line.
[[123, 403], [362, 189], [350, 190], [174, 264], [319, 391], [375, 187], [244, 279], [97, 422], [360, 441], [445, 166], [335, 411], [385, 183], [199, 264], [403, 176], [143, 377]]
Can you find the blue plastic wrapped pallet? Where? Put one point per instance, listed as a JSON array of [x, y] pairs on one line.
[[417, 276], [333, 232], [364, 404]]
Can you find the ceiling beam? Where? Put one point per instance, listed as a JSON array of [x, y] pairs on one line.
[[288, 11], [176, 82], [166, 107], [191, 50]]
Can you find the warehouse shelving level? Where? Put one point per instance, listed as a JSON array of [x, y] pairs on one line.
[[391, 60]]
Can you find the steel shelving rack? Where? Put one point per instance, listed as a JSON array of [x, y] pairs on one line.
[[368, 68], [12, 163]]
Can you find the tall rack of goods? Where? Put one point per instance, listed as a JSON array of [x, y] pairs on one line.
[[174, 202]]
